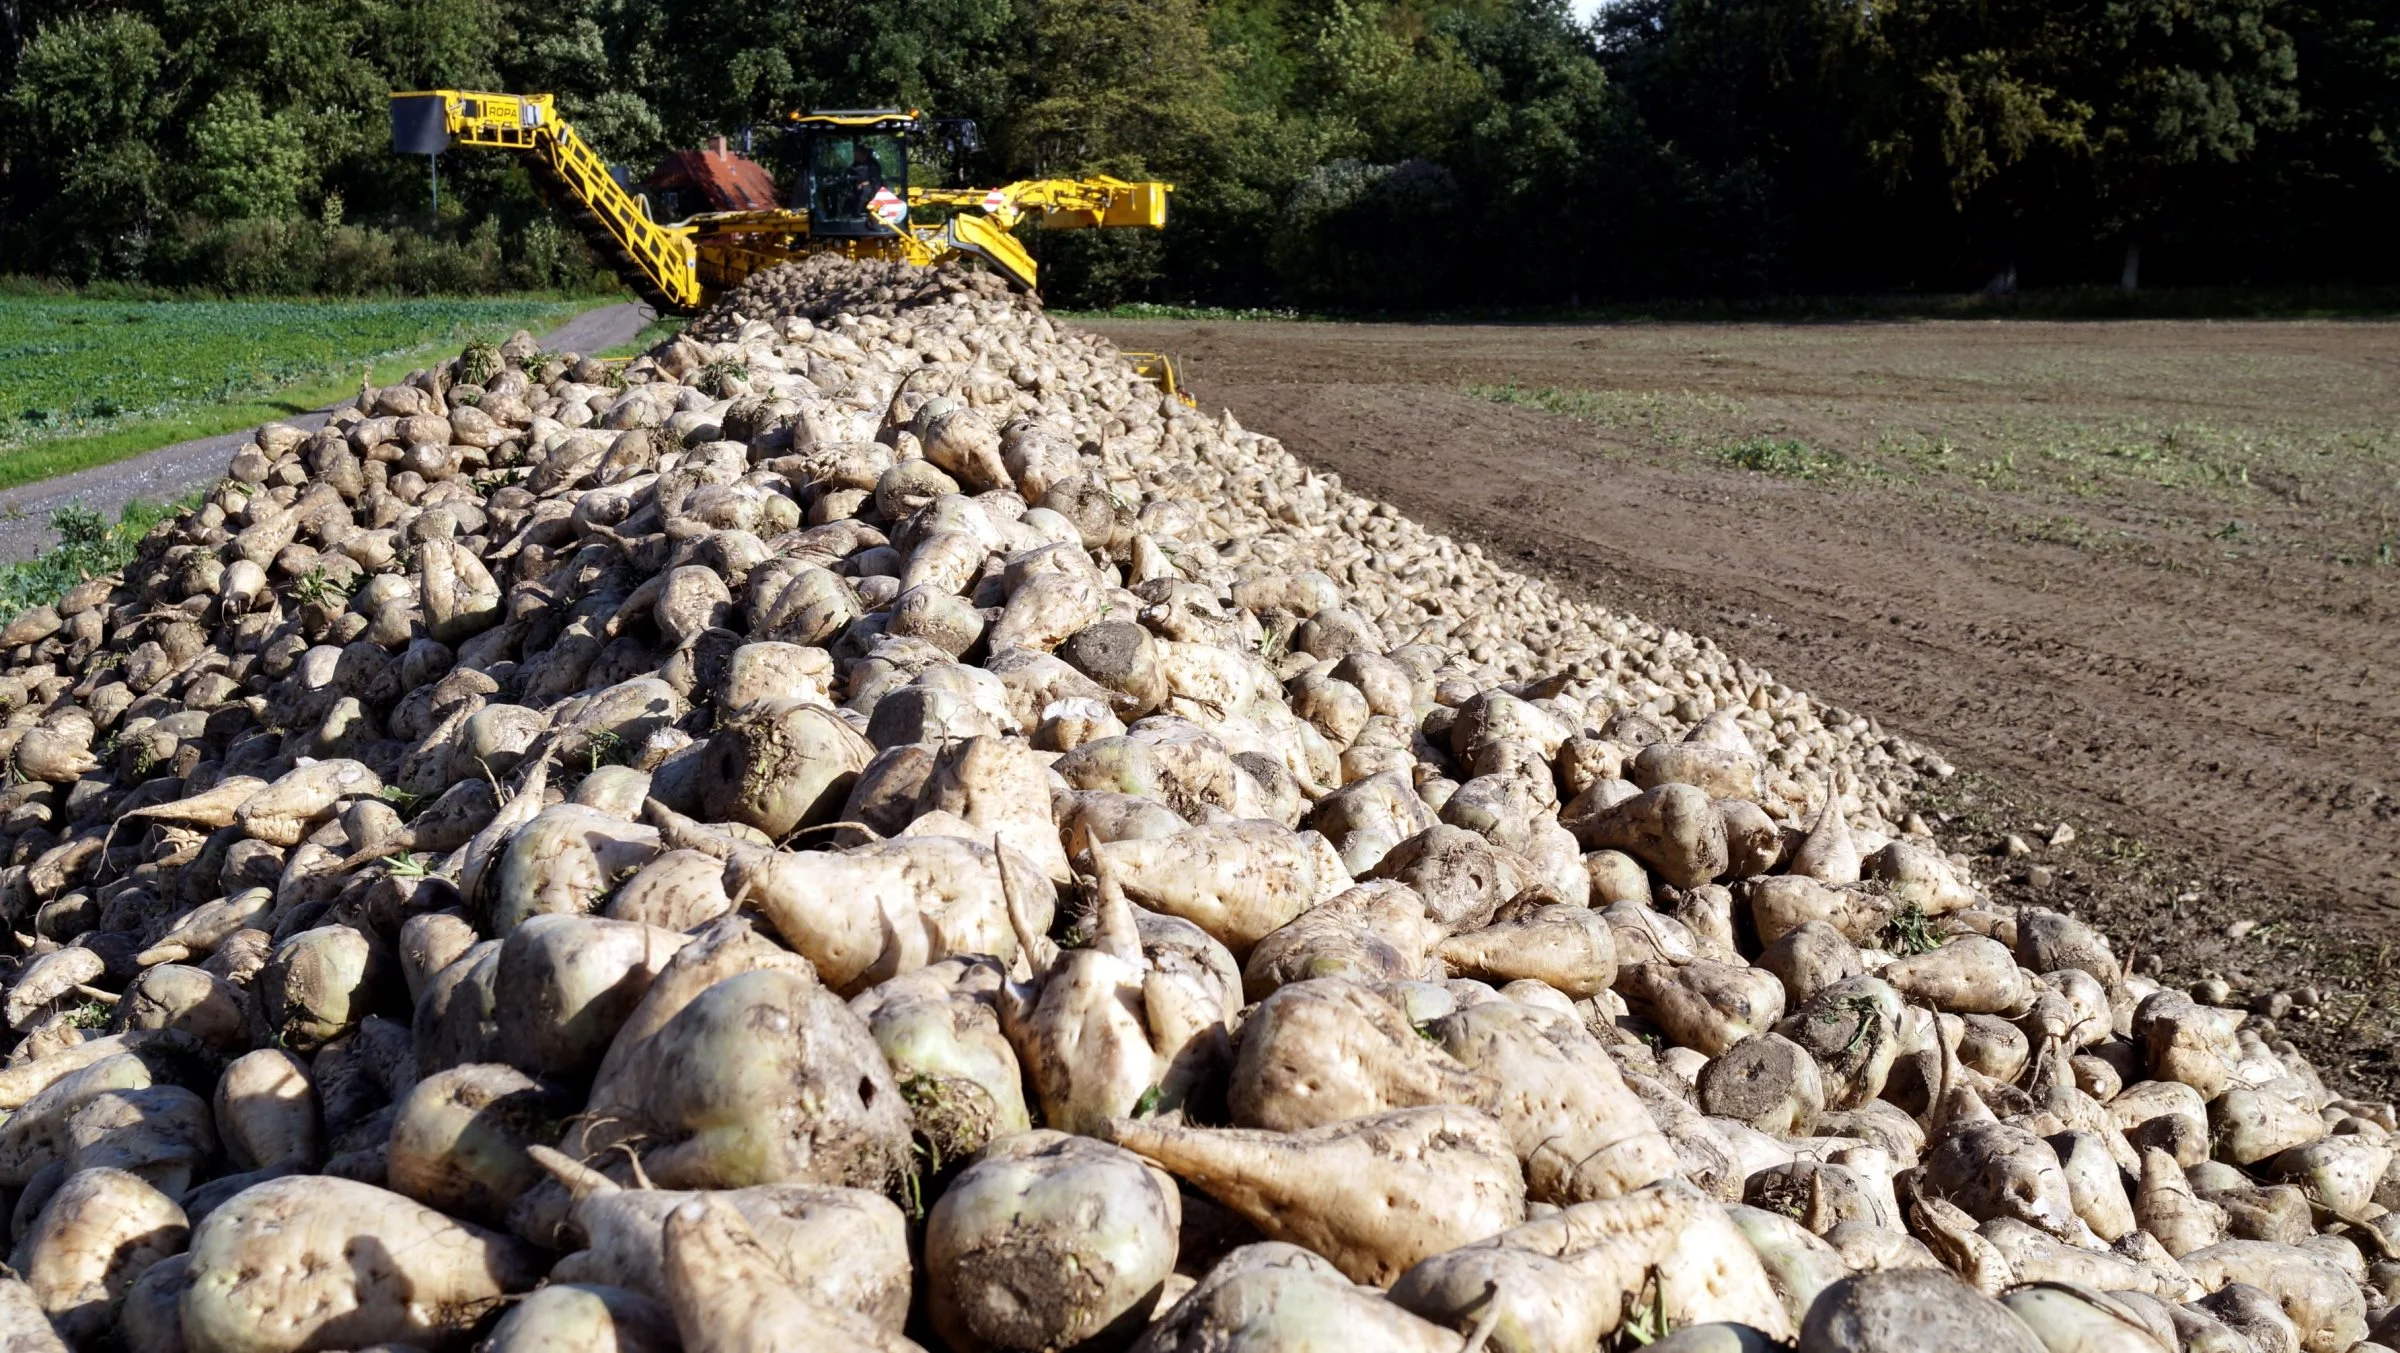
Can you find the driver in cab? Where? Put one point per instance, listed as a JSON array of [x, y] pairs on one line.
[[866, 179]]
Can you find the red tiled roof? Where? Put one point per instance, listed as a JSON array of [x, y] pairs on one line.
[[728, 180]]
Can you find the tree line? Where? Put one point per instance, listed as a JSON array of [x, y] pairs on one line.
[[1368, 154]]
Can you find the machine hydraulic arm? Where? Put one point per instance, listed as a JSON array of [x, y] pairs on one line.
[[660, 262]]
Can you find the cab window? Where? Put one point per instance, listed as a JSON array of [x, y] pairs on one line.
[[846, 171]]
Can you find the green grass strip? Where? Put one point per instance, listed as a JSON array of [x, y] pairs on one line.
[[118, 436], [657, 331], [1152, 310], [88, 546]]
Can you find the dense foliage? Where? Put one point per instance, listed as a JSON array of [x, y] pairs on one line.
[[1375, 153]]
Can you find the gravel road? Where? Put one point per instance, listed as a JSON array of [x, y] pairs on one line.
[[172, 470]]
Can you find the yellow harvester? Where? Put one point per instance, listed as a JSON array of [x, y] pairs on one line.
[[851, 195]]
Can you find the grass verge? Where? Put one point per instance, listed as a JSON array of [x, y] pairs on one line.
[[1159, 311], [94, 381], [49, 458], [88, 546], [657, 331]]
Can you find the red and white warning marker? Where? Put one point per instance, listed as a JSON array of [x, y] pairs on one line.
[[888, 207]]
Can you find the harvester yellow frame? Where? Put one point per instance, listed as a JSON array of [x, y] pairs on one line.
[[679, 267], [1159, 369]]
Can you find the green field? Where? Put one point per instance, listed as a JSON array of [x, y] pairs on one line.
[[84, 382]]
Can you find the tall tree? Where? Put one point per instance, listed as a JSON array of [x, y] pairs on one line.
[[2092, 109], [86, 110], [2179, 84], [1137, 88], [1342, 152]]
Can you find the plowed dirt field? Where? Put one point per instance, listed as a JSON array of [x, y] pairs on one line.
[[2140, 578]]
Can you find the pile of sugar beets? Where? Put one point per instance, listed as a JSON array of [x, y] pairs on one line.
[[885, 832]]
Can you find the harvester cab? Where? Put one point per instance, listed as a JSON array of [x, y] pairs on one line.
[[854, 166], [853, 169]]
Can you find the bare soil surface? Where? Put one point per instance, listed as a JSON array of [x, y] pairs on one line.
[[2134, 577], [172, 471]]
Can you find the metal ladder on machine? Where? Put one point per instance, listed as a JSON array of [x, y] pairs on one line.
[[660, 262]]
